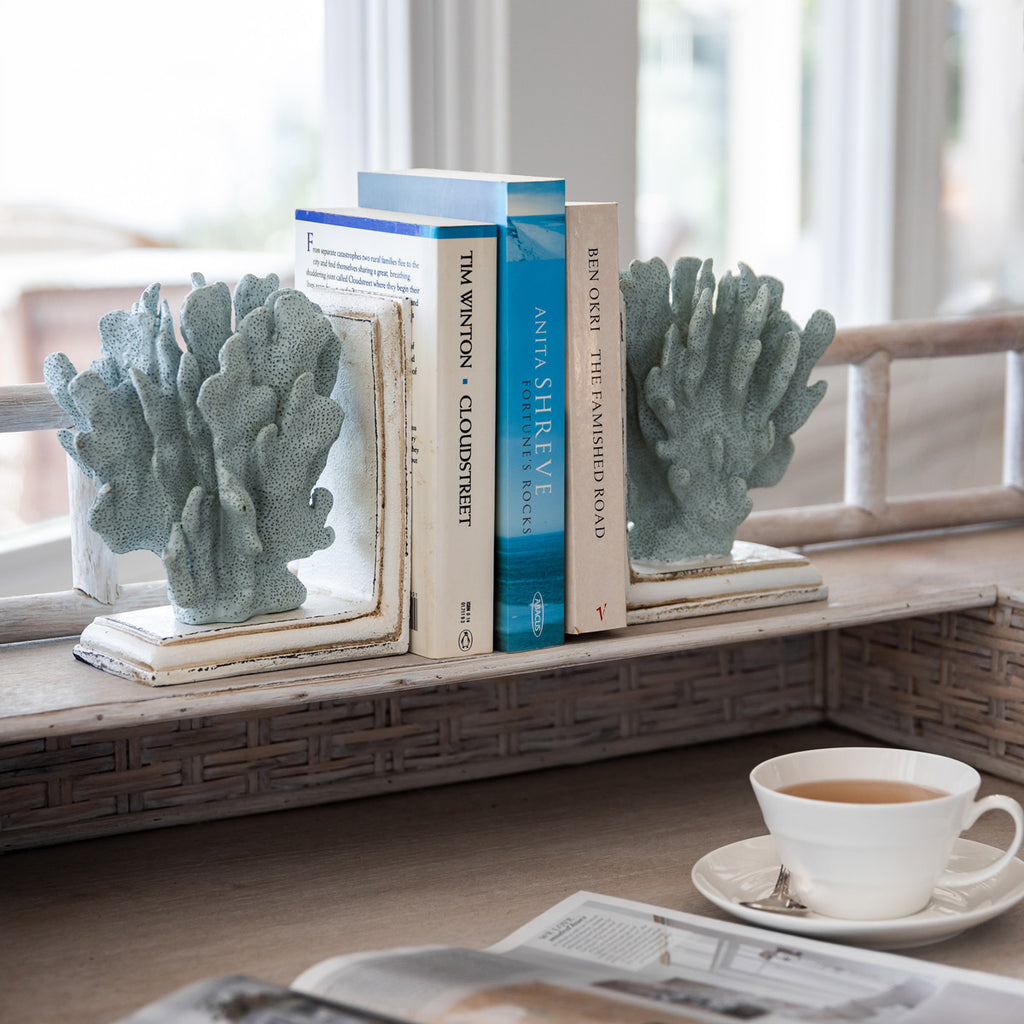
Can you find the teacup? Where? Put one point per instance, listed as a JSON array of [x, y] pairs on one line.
[[880, 858]]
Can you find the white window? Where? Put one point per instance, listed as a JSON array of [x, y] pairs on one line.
[[141, 142], [868, 152]]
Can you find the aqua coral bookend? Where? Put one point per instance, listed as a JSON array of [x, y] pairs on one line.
[[209, 457], [716, 384], [356, 601]]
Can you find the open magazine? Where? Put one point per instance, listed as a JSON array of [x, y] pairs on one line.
[[597, 960]]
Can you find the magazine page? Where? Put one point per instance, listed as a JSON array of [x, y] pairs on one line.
[[598, 960], [712, 970], [243, 1000], [435, 984]]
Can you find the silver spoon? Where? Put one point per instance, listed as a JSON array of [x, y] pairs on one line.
[[778, 901]]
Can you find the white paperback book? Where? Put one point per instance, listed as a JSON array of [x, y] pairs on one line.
[[596, 559], [447, 269]]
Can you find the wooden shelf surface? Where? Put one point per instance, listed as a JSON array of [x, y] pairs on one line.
[[44, 691]]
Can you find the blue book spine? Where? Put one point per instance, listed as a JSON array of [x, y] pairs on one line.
[[529, 597]]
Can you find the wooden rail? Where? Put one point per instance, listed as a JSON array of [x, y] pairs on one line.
[[866, 509], [29, 407], [93, 566]]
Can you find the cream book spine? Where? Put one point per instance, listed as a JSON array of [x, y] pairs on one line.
[[596, 555]]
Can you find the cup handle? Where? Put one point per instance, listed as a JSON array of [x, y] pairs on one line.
[[974, 812]]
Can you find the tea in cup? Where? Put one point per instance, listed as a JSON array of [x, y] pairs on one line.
[[867, 832]]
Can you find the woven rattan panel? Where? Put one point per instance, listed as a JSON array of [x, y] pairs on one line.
[[951, 683], [71, 787]]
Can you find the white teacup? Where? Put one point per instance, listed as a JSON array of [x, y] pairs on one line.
[[879, 859]]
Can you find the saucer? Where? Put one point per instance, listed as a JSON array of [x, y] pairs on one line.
[[747, 870]]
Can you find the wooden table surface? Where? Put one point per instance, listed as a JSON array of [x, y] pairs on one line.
[[93, 929]]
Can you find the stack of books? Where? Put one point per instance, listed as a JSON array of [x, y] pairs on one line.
[[518, 532]]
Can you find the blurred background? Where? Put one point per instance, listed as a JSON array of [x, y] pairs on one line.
[[866, 152]]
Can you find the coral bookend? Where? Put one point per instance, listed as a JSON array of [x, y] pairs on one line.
[[715, 387]]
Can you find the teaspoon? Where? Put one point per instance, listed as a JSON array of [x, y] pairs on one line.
[[778, 901]]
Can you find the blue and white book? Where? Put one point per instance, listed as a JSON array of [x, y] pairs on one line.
[[530, 492], [446, 268]]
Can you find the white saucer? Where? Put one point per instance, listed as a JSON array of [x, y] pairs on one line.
[[747, 870]]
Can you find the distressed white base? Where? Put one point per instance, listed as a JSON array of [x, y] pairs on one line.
[[754, 576], [152, 646]]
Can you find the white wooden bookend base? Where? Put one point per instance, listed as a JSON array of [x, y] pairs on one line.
[[754, 576], [358, 588], [151, 646]]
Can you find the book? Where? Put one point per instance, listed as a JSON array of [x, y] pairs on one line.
[[529, 602], [596, 555], [592, 959], [446, 268]]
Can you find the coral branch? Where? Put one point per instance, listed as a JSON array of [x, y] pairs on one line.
[[210, 456], [716, 386]]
